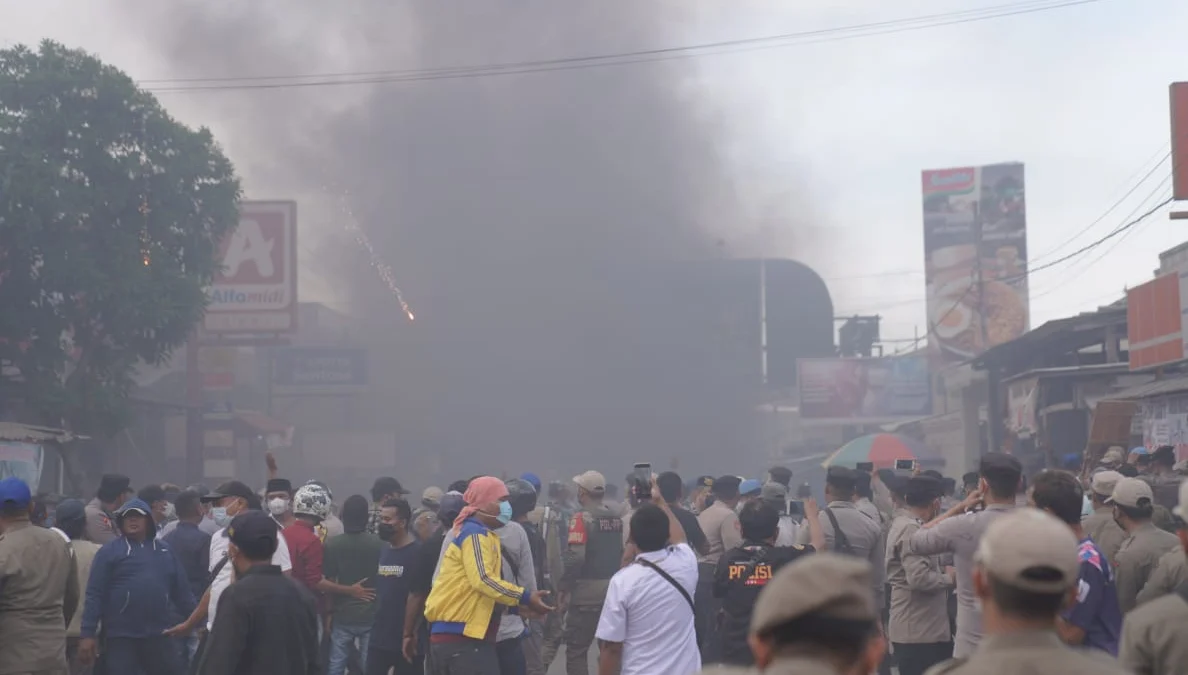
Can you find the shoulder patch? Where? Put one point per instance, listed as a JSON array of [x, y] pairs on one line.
[[577, 530]]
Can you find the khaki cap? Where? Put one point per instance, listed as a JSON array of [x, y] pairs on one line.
[[822, 584], [773, 492], [1129, 491], [592, 481], [1179, 510], [1115, 456], [1030, 550], [1104, 482]]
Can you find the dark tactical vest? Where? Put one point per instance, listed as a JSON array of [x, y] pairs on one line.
[[604, 543]]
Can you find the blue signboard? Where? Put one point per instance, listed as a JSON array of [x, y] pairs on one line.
[[319, 371]]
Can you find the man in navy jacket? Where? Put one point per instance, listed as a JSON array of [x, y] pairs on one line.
[[135, 581]]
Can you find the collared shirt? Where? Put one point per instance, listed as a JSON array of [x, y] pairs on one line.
[[1101, 527], [38, 589], [868, 509], [959, 535], [1138, 558], [919, 588], [864, 535], [218, 551], [100, 523], [1170, 573], [1155, 637], [722, 530], [1030, 652], [650, 617]]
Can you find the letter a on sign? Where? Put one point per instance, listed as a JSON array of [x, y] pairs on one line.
[[249, 245]]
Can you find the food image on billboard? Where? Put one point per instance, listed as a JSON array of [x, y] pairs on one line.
[[256, 289], [868, 390], [975, 256]]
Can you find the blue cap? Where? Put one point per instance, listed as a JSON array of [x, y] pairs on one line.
[[1140, 450], [14, 491], [749, 486], [532, 479]]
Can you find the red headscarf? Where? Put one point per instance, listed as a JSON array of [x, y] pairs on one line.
[[481, 491]]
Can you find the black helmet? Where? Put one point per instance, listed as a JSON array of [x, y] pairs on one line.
[[521, 495]]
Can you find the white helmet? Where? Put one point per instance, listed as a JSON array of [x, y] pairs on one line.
[[312, 500]]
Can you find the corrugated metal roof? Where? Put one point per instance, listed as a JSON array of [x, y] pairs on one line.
[[1171, 385], [15, 431]]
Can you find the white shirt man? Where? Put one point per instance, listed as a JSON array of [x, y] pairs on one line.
[[218, 552], [647, 615]]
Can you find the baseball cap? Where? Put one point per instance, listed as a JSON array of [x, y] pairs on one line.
[[1030, 550], [591, 481], [919, 489], [70, 510], [773, 492], [750, 487], [431, 496], [1183, 505], [112, 485], [1130, 491], [703, 482], [387, 485], [231, 488], [1114, 456], [15, 492], [532, 479], [1104, 482], [824, 585], [254, 532], [726, 485], [451, 505], [137, 505]]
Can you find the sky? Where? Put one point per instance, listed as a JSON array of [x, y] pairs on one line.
[[826, 141]]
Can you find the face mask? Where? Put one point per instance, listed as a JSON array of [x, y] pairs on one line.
[[278, 506], [505, 512], [219, 515], [170, 511], [385, 531]]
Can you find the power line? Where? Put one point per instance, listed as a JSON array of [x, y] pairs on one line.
[[620, 58]]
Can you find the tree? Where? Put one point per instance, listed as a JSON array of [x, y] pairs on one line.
[[111, 213]]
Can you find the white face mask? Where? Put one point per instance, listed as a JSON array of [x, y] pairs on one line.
[[170, 511], [278, 506]]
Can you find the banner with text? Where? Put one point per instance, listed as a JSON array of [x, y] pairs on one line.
[[864, 390]]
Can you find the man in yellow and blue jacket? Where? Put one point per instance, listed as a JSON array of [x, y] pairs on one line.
[[463, 605]]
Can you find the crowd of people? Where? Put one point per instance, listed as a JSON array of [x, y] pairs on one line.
[[1066, 572]]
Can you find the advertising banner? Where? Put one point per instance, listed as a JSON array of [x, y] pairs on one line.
[[1156, 320], [864, 390], [23, 461], [256, 291], [319, 371], [975, 257]]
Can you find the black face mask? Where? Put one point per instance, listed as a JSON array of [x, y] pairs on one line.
[[386, 531]]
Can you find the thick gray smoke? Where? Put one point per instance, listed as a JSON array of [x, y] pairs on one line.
[[539, 224]]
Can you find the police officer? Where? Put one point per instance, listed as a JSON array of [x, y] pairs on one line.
[[593, 555], [816, 617], [848, 530], [1025, 570], [1155, 636], [1170, 573], [1100, 525], [1134, 506]]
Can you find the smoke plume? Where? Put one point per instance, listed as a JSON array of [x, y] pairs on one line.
[[541, 225]]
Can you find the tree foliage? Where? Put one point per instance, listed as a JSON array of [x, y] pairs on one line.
[[111, 213]]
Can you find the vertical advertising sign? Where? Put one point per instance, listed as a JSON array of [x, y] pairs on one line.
[[975, 257], [256, 290], [1179, 140]]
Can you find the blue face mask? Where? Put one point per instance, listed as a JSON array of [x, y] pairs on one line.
[[219, 515], [505, 512]]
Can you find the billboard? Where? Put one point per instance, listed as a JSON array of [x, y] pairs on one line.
[[975, 257], [864, 390], [23, 461], [1155, 321], [256, 290], [319, 371], [1179, 140]]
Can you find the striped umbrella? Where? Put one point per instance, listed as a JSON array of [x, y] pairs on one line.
[[881, 449]]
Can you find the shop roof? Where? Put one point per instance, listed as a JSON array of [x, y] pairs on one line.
[[1165, 387]]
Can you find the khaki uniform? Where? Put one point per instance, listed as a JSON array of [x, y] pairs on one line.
[[865, 536], [1137, 560], [1101, 527], [100, 523], [720, 525], [40, 594], [1170, 573], [1155, 637], [594, 554], [920, 589], [1039, 653], [786, 666]]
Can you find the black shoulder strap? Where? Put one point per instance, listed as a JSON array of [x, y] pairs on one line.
[[214, 572], [667, 577], [839, 536], [510, 563]]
